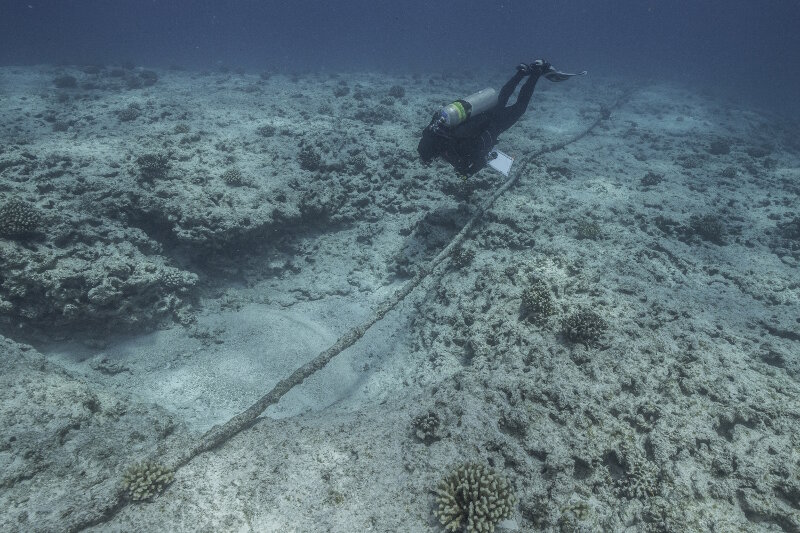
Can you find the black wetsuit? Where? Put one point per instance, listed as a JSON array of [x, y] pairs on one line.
[[467, 146]]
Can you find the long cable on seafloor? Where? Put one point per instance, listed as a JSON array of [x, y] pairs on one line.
[[219, 434]]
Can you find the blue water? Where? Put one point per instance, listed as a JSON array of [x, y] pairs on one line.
[[744, 49]]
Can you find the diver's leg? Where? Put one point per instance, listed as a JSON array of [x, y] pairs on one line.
[[508, 89], [507, 116]]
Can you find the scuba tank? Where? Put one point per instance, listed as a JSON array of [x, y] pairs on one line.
[[474, 104]]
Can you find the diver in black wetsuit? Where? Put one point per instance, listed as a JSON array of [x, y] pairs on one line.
[[468, 145]]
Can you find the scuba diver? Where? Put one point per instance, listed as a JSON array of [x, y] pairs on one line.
[[465, 132]]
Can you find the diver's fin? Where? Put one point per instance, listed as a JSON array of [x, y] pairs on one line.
[[555, 75]]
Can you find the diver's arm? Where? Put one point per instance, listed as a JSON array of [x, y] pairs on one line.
[[470, 165]]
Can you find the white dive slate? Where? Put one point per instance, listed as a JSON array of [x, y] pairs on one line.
[[501, 163]]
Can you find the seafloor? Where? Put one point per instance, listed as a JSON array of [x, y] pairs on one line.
[[619, 335]]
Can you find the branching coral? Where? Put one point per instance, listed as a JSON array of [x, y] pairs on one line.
[[537, 303], [142, 481], [583, 326], [474, 498]]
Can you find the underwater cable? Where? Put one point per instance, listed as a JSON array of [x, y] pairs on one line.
[[221, 433]]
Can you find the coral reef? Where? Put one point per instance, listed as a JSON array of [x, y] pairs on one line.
[[719, 147], [651, 178], [152, 167], [65, 82], [641, 477], [574, 516], [148, 77], [692, 161], [583, 326], [309, 159], [699, 381], [426, 427], [233, 177], [99, 288], [537, 302], [341, 90], [173, 278], [18, 218], [142, 481], [791, 229], [758, 152], [463, 256], [65, 435], [267, 130], [357, 163], [397, 91], [707, 227], [127, 114], [588, 229], [474, 498]]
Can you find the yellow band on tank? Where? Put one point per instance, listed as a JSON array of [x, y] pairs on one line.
[[462, 113]]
